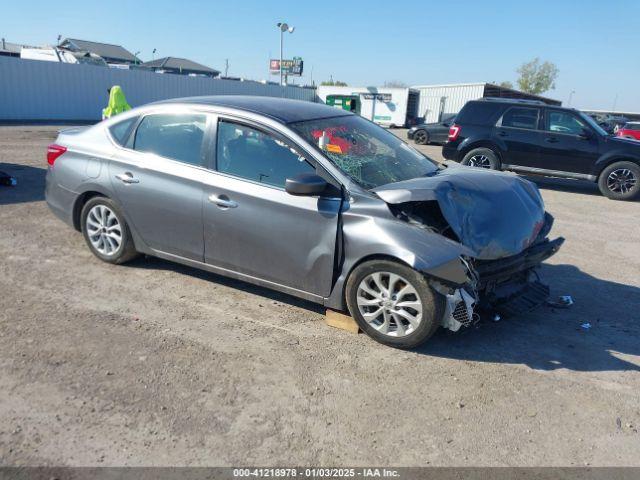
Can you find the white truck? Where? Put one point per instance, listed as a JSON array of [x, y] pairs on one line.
[[389, 107]]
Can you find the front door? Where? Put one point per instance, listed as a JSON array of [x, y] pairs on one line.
[[158, 181], [517, 130], [568, 143], [252, 226]]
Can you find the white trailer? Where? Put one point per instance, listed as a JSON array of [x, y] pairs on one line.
[[390, 107]]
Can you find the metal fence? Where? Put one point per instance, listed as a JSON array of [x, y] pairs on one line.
[[32, 90]]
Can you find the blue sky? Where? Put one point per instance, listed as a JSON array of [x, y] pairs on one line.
[[595, 44]]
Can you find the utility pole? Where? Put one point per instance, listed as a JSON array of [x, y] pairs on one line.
[[226, 67]]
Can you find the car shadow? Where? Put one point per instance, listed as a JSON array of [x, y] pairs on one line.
[[30, 186], [600, 332], [154, 263]]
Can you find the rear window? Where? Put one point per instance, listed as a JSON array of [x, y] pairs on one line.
[[479, 113], [175, 136], [632, 126], [520, 117], [120, 131]]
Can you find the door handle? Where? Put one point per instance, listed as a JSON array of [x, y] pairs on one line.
[[222, 201], [551, 140], [502, 133], [127, 178]]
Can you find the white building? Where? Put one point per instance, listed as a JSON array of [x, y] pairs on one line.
[[439, 100]]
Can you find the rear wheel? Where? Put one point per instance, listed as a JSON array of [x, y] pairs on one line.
[[106, 232], [482, 158], [620, 181], [393, 303], [421, 137]]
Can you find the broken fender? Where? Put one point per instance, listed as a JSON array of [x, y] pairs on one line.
[[494, 214]]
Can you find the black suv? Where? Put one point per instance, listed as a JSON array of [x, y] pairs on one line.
[[533, 137]]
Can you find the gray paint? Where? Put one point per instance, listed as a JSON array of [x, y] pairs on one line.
[[311, 244], [32, 90]]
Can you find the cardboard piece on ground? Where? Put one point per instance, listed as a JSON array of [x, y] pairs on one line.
[[342, 321]]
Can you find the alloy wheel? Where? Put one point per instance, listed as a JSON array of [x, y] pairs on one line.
[[104, 230], [481, 161], [420, 138], [389, 303], [621, 180]]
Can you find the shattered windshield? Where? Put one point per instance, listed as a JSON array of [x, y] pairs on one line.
[[370, 155]]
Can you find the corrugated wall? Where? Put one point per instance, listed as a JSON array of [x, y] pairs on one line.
[[36, 90], [455, 96]]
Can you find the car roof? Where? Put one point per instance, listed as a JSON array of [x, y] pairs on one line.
[[284, 110]]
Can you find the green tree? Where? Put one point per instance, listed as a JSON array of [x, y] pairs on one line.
[[332, 83], [536, 77], [506, 84]]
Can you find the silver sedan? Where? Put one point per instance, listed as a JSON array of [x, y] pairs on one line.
[[308, 200]]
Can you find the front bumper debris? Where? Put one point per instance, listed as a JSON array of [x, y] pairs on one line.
[[504, 287]]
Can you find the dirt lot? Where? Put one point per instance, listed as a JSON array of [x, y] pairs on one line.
[[157, 364]]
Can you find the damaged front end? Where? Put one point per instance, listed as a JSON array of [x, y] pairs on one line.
[[501, 220]]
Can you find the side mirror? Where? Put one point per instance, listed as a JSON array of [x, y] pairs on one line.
[[305, 185], [586, 134]]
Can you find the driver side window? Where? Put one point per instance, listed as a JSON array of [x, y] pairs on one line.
[[564, 122], [252, 154]]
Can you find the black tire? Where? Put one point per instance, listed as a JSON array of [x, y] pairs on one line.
[[612, 182], [433, 303], [421, 137], [479, 157], [126, 250]]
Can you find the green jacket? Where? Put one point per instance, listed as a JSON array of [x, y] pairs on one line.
[[117, 103]]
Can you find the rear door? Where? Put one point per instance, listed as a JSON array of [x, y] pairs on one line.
[[518, 130], [564, 146], [157, 178], [253, 226]]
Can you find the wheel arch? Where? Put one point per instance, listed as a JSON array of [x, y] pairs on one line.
[[80, 202], [491, 145], [604, 162]]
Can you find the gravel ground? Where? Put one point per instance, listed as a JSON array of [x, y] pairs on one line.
[[158, 364]]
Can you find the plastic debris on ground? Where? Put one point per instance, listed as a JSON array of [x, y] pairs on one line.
[[563, 301], [7, 180]]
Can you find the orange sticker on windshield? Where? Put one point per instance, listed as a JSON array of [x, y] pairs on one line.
[[333, 148]]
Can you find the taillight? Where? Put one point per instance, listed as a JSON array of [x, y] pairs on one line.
[[454, 131], [53, 152]]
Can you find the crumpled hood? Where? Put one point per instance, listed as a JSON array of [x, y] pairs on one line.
[[494, 214]]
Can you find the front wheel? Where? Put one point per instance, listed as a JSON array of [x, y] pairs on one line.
[[106, 232], [620, 181], [393, 303], [482, 158]]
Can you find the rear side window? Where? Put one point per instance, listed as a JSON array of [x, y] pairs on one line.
[[520, 117], [120, 131], [178, 137], [632, 126], [479, 113]]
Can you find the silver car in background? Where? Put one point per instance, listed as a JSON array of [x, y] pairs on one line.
[[309, 200]]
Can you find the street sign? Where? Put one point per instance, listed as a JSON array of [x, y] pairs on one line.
[[289, 67]]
